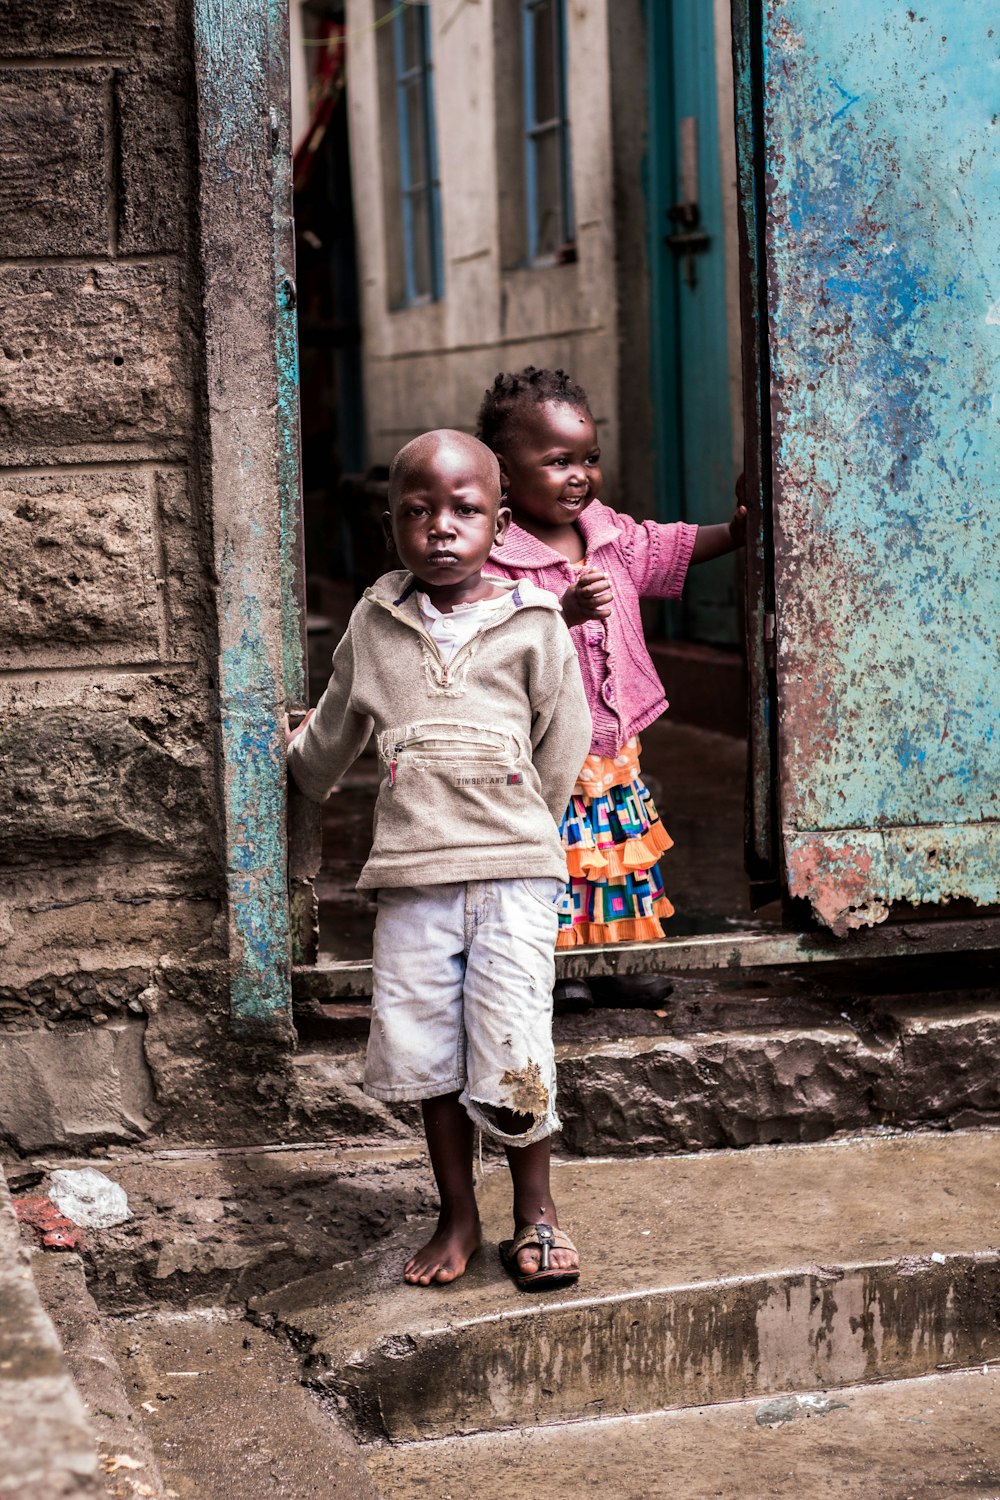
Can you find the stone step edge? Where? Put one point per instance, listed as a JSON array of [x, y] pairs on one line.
[[930, 1066], [428, 1445], [932, 1435], [667, 1347], [330, 978]]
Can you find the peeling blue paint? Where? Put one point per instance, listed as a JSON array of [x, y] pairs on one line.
[[287, 357], [850, 99], [251, 712], [233, 79], [884, 217], [231, 48]]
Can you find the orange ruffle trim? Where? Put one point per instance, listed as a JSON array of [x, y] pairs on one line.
[[629, 930], [624, 859]]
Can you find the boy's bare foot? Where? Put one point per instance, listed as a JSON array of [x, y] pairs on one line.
[[446, 1254]]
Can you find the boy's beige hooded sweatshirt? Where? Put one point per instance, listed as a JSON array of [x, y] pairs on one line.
[[477, 759]]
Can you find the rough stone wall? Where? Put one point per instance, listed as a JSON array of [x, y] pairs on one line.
[[112, 931]]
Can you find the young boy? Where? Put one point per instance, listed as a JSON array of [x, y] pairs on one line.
[[472, 688]]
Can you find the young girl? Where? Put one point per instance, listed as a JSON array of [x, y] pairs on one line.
[[600, 562]]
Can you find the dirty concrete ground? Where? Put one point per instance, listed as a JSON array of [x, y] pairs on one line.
[[698, 781], [223, 1406], [128, 1465], [214, 1228], [931, 1439], [207, 1405]]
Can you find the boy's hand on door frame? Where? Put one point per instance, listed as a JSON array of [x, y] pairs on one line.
[[291, 734]]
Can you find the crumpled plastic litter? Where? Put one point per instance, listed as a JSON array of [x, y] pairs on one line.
[[791, 1408], [88, 1197], [52, 1229]]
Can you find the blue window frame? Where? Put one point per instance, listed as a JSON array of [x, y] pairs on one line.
[[547, 175], [420, 187]]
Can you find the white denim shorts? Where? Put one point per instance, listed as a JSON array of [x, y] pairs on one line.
[[462, 1001]]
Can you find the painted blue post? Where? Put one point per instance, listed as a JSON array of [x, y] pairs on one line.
[[250, 474], [293, 592]]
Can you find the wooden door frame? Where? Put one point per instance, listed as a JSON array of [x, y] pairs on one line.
[[762, 854], [251, 469]]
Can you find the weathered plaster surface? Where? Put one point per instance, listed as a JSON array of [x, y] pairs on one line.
[[882, 232], [427, 366]]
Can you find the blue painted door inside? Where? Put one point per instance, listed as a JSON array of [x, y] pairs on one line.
[[880, 153], [689, 339]]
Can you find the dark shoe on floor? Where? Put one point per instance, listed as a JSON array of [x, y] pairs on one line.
[[634, 991], [571, 997]]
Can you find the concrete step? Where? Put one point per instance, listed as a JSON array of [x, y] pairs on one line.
[[708, 1278], [729, 1060], [905, 1440]]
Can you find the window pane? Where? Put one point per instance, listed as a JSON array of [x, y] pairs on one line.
[[548, 197], [420, 258], [547, 61], [416, 133], [412, 25]]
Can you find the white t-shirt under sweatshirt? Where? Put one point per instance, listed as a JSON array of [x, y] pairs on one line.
[[450, 632]]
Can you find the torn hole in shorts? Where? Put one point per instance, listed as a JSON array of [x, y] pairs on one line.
[[528, 1094], [526, 1106], [508, 1121]]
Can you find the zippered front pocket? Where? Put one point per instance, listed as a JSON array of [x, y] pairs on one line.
[[463, 754]]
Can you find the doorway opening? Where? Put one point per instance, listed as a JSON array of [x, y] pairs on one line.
[[485, 187]]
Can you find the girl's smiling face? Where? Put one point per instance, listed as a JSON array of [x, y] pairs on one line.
[[551, 466]]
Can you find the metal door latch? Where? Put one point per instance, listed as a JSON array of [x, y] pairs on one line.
[[688, 241]]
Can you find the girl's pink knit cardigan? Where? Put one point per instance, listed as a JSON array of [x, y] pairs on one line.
[[644, 560]]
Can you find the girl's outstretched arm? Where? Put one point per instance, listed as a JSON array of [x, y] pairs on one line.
[[716, 541]]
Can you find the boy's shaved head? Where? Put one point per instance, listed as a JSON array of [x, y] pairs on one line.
[[446, 449]]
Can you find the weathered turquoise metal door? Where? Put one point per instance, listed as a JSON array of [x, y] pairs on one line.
[[879, 153], [688, 300]]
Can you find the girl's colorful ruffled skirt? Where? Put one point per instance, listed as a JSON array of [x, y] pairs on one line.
[[613, 837]]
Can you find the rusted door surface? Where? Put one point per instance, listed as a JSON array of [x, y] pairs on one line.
[[880, 152]]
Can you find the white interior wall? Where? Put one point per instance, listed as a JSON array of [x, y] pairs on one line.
[[428, 366]]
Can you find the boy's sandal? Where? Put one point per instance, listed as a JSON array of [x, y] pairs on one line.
[[547, 1239]]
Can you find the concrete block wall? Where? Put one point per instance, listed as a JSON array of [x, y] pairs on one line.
[[113, 939]]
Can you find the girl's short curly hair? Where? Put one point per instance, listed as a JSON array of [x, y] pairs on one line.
[[515, 390]]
